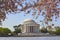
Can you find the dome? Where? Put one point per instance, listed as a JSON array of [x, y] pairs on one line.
[[29, 21]]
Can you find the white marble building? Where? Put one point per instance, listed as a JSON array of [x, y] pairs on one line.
[[29, 26]]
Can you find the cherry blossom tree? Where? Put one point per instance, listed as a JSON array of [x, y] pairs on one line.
[[48, 8]]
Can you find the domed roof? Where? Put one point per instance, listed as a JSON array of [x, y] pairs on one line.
[[29, 21]]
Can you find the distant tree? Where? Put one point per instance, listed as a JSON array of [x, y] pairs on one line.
[[19, 25], [17, 30], [48, 8], [57, 31], [43, 30], [4, 31], [15, 27]]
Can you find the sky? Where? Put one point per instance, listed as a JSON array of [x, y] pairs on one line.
[[16, 19]]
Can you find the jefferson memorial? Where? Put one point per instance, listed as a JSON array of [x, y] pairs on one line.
[[29, 26]]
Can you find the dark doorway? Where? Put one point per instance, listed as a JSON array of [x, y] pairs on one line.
[[31, 28]]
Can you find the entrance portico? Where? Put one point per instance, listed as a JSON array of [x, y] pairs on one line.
[[29, 26]]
